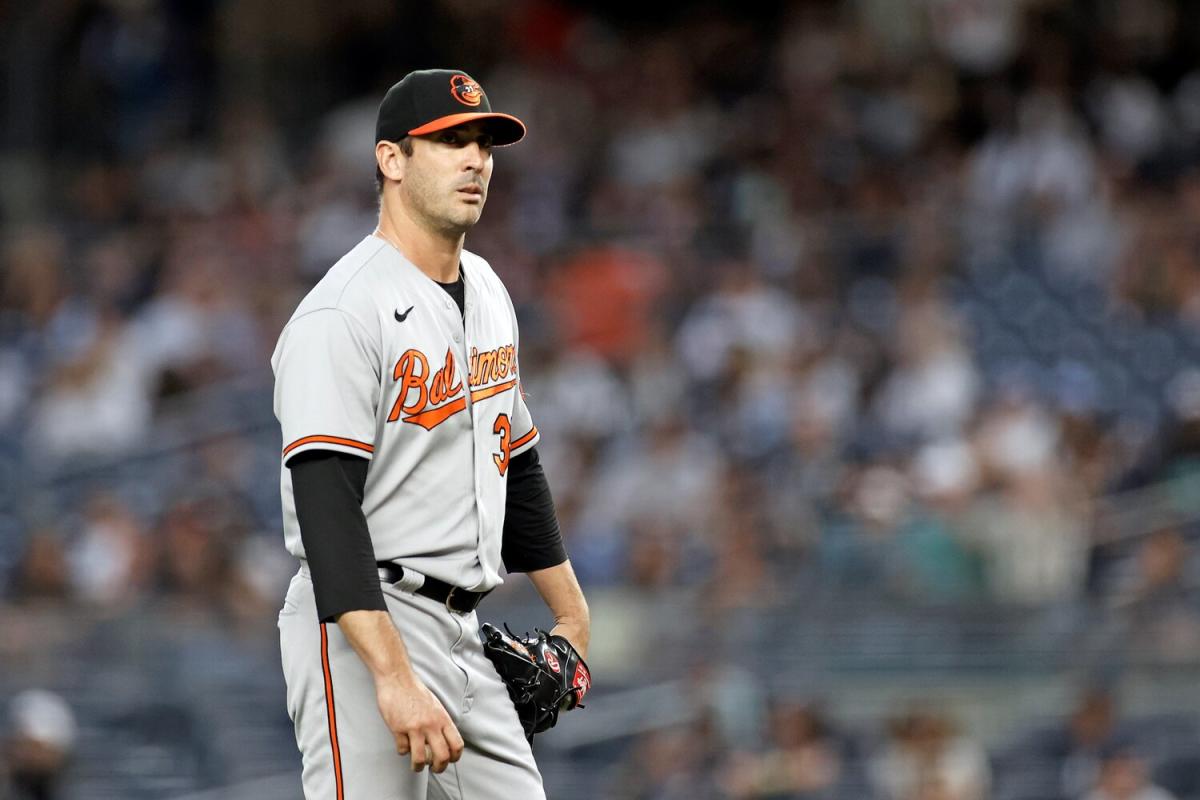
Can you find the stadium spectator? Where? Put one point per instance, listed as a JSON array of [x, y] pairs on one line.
[[1080, 746], [39, 743], [927, 758], [1125, 775], [110, 559], [800, 760], [672, 764], [42, 573], [1156, 606]]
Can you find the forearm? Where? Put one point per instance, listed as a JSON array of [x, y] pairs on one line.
[[375, 638], [562, 594]]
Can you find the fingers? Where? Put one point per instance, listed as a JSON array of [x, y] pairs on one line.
[[422, 728], [455, 741], [437, 752], [440, 752], [419, 750]]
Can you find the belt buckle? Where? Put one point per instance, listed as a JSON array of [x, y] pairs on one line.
[[450, 599]]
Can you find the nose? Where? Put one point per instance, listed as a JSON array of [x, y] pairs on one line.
[[473, 157]]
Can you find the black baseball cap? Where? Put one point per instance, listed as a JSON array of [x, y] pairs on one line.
[[431, 100]]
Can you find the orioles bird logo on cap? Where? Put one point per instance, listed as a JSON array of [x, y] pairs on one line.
[[465, 90]]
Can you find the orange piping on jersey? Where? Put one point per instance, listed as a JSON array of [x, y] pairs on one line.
[[483, 394], [333, 737], [329, 440], [524, 440], [436, 416]]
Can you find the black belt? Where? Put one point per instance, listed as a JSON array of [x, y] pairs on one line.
[[458, 600]]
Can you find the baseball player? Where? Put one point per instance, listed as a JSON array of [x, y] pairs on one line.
[[409, 476]]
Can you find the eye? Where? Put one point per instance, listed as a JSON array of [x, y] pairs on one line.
[[448, 137], [485, 141]]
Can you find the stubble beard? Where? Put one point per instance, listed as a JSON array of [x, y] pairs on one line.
[[448, 218]]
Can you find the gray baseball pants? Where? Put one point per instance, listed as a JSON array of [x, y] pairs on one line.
[[348, 752]]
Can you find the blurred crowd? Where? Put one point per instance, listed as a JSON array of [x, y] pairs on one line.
[[886, 300], [920, 754], [837, 297]]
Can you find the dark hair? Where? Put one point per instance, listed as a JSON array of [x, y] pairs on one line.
[[406, 148]]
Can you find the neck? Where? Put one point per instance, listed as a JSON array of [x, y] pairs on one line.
[[435, 253]]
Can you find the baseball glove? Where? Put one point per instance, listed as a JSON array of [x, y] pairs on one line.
[[544, 674]]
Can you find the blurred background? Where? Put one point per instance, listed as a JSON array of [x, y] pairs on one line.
[[863, 337]]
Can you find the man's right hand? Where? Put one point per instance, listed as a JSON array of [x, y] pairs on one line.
[[413, 715], [419, 722]]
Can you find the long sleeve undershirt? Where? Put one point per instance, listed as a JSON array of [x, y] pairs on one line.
[[328, 489]]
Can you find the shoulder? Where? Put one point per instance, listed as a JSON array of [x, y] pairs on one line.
[[350, 286], [478, 267], [484, 277]]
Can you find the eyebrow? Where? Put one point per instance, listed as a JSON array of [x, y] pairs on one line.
[[464, 131]]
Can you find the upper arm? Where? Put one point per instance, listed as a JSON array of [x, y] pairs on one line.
[[328, 487], [327, 385]]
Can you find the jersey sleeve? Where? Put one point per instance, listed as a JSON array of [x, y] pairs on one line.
[[525, 433], [327, 385]]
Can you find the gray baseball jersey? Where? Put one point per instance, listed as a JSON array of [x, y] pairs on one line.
[[378, 361]]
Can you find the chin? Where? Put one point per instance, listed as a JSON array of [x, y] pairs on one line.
[[467, 217], [458, 225]]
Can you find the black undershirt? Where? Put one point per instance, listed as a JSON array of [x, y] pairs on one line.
[[457, 290], [532, 539], [328, 490]]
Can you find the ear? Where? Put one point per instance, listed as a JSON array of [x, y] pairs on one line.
[[391, 161]]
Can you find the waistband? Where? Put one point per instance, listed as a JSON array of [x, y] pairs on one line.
[[454, 598]]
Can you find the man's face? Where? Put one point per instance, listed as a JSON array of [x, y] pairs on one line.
[[446, 178]]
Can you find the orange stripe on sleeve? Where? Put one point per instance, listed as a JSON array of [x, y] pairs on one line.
[[524, 440], [329, 440], [333, 737]]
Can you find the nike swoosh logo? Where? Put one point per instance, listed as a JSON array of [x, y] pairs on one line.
[[401, 317]]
